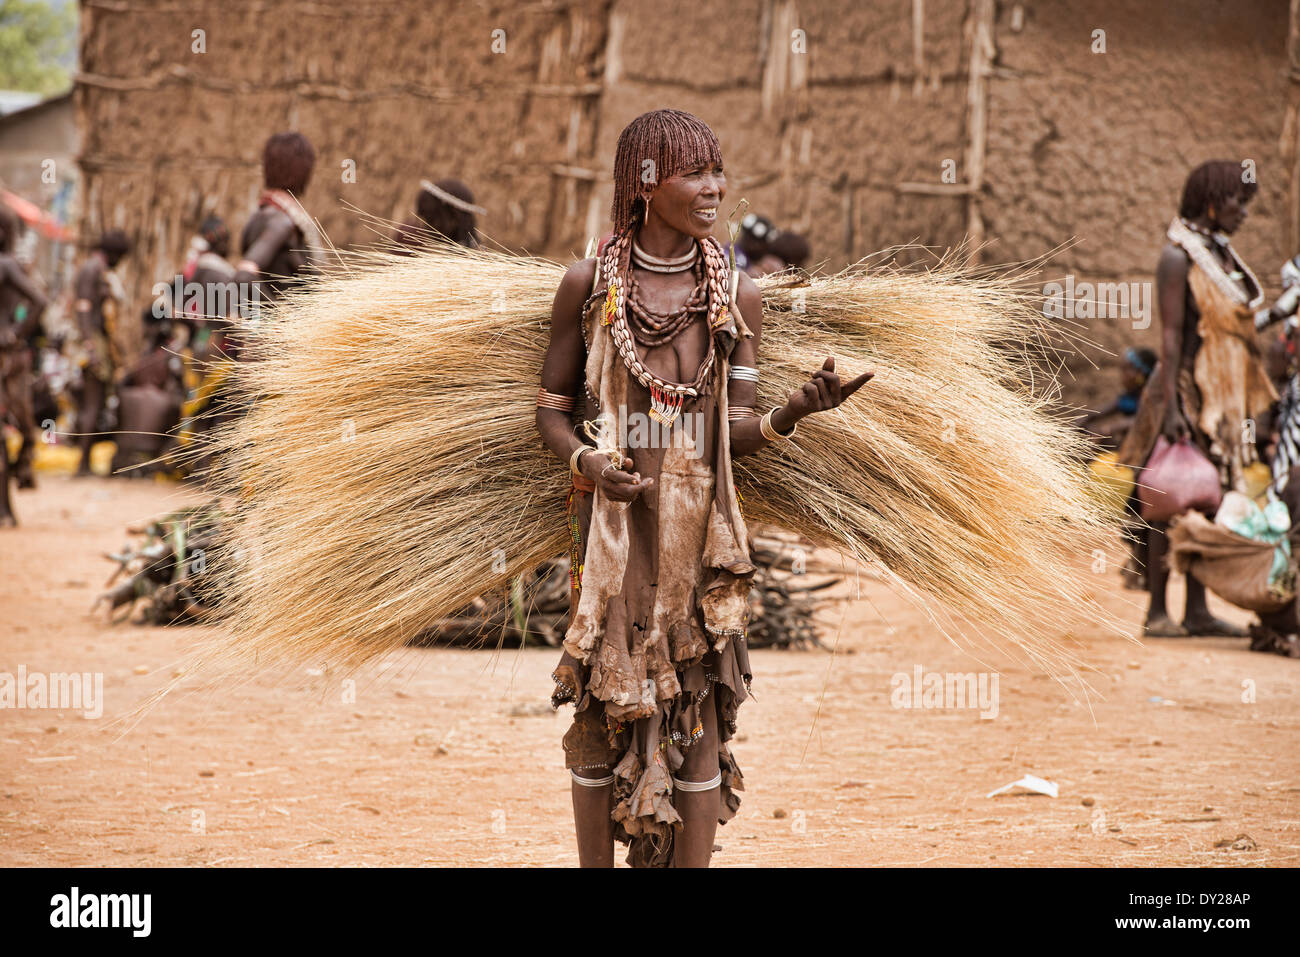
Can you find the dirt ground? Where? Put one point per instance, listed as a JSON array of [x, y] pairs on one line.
[[453, 757]]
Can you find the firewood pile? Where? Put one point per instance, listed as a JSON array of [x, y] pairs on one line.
[[166, 574], [786, 592], [165, 578], [535, 611]]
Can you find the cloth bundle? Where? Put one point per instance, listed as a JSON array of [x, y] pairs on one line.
[[1243, 556], [1177, 478]]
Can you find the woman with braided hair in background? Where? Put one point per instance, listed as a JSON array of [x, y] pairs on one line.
[[654, 344], [1210, 381]]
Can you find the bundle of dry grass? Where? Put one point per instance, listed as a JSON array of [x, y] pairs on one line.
[[388, 468]]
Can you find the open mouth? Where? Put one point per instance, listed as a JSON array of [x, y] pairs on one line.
[[706, 215]]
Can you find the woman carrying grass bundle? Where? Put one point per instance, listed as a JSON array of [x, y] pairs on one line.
[[655, 657]]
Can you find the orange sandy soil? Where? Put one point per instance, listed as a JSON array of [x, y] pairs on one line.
[[453, 757]]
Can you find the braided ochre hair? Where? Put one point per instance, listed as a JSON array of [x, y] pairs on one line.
[[653, 147]]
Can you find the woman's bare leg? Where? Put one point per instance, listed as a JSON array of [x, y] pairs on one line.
[[1197, 617], [1159, 624], [6, 510], [591, 818], [693, 842], [1197, 608]]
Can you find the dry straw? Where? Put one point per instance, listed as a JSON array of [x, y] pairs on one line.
[[388, 468]]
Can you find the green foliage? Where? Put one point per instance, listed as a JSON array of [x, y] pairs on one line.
[[34, 38]]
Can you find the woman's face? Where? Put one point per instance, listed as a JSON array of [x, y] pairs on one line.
[[688, 201], [1229, 215]]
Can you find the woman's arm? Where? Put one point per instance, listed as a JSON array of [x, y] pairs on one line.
[[1171, 290], [563, 375], [742, 394], [277, 233], [821, 392], [259, 256]]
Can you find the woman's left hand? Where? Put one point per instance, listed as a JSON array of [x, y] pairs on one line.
[[823, 391]]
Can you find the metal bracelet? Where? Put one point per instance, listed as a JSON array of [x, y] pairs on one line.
[[708, 785], [591, 782], [553, 400], [769, 431], [577, 454]]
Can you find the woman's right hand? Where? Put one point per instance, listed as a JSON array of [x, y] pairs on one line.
[[618, 484]]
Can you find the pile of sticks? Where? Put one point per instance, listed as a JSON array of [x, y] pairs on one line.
[[787, 591], [535, 609], [168, 575]]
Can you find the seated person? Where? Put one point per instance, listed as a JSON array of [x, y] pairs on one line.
[[756, 232], [149, 397], [1138, 365], [786, 250]]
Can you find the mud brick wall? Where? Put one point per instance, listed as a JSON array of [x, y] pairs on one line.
[[817, 141], [838, 118], [403, 90], [1094, 147]]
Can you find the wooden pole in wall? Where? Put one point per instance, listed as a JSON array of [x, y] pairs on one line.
[[982, 54]]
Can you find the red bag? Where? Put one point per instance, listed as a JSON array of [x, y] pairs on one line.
[[1177, 478]]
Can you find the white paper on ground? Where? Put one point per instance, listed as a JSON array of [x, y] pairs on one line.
[[1030, 782]]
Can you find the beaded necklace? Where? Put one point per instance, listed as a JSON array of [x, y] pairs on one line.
[[652, 328], [1235, 283], [666, 398]]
